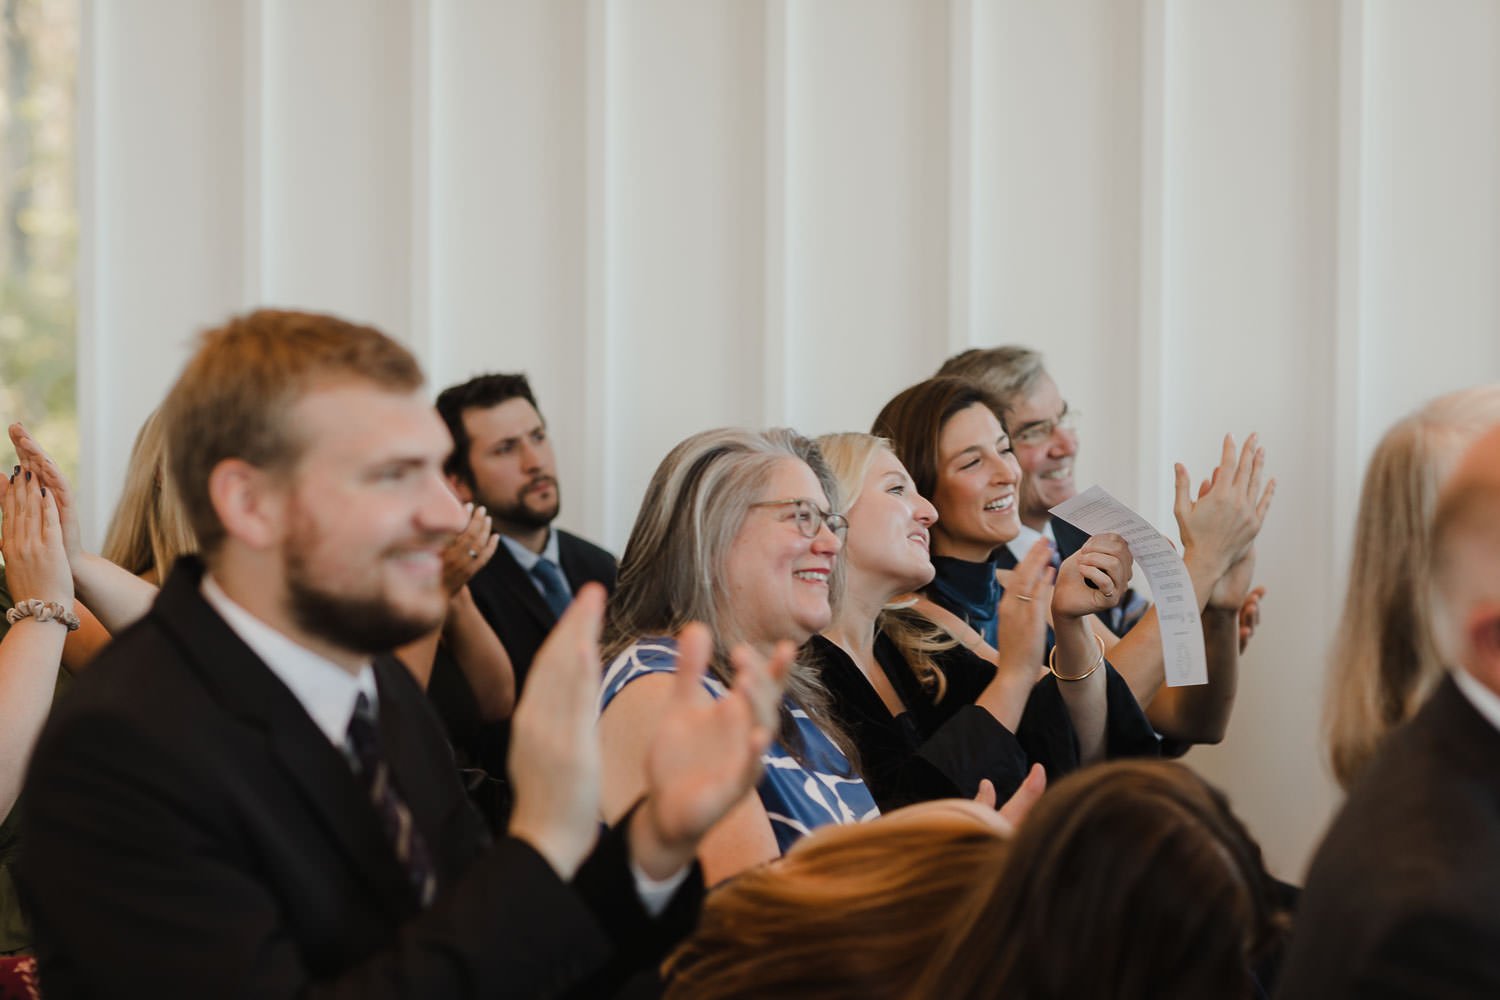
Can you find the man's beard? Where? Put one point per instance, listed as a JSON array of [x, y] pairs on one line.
[[518, 514], [357, 623]]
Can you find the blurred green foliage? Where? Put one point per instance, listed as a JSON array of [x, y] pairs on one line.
[[39, 222]]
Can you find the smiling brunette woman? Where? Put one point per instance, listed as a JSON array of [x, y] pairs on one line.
[[947, 434], [735, 531]]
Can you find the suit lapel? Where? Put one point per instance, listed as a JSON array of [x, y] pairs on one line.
[[511, 583], [247, 690]]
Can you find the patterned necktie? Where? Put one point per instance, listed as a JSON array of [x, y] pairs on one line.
[[395, 817], [554, 587]]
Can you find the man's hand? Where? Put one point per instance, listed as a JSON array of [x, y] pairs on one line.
[[705, 757], [554, 751], [47, 474], [1220, 526], [1103, 560], [469, 551]]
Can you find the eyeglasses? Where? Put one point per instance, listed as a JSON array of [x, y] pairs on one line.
[[809, 517], [1040, 431]]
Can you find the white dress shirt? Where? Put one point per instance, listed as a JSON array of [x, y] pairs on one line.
[[328, 692]]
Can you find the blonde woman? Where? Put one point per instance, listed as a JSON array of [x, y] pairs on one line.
[[148, 531], [1384, 661]]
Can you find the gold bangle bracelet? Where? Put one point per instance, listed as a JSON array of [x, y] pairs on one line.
[[1052, 662]]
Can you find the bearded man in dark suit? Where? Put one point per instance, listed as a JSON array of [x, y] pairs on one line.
[[503, 460], [249, 796]]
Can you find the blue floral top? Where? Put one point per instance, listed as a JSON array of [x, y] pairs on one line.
[[796, 798]]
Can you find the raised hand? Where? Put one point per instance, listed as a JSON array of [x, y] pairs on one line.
[[554, 753], [1021, 637], [1103, 560], [469, 550], [31, 540], [35, 458], [1249, 616], [1219, 527], [706, 755]]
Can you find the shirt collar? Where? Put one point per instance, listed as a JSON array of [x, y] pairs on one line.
[[1022, 543], [1485, 701], [326, 691], [527, 558]]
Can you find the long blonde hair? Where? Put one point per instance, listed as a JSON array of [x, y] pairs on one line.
[[1385, 660], [851, 911], [149, 529], [849, 456]]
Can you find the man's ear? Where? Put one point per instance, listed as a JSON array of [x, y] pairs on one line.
[[1483, 635], [460, 488], [251, 502]]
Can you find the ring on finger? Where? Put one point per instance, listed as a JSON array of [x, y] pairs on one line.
[[1025, 597], [473, 553]]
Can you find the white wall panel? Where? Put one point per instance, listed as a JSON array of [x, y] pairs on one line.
[[866, 206], [1432, 205], [508, 182], [1251, 288], [685, 221], [1282, 216], [161, 199], [1056, 186], [335, 158]]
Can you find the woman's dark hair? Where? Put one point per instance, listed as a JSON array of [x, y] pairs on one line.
[[914, 420], [1130, 879]]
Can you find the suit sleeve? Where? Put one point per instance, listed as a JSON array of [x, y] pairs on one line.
[[1433, 955], [152, 884]]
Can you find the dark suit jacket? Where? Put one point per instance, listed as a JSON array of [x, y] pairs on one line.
[[510, 602], [1403, 899], [191, 832]]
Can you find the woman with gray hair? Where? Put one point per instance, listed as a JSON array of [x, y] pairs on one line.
[[736, 531]]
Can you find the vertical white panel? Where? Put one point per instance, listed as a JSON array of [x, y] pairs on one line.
[[336, 158], [1056, 188], [161, 203], [1431, 230], [1248, 345], [686, 231], [508, 182], [867, 205]]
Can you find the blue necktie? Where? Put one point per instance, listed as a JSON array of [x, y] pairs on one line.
[[395, 815], [554, 588]]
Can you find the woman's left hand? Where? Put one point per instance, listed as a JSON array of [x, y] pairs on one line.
[[31, 540], [1105, 561], [469, 551]]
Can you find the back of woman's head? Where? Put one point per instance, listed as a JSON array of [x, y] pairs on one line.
[[1130, 879], [913, 422], [853, 911], [149, 529], [1384, 660]]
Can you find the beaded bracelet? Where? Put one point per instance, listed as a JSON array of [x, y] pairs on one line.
[[42, 611], [1052, 662]]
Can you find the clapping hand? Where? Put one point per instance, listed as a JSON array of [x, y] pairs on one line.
[[1220, 526], [554, 751], [1021, 636], [31, 540], [46, 473], [706, 755], [469, 551]]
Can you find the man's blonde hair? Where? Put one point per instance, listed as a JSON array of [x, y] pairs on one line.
[[232, 399]]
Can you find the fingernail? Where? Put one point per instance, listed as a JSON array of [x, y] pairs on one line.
[[44, 491], [28, 475]]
